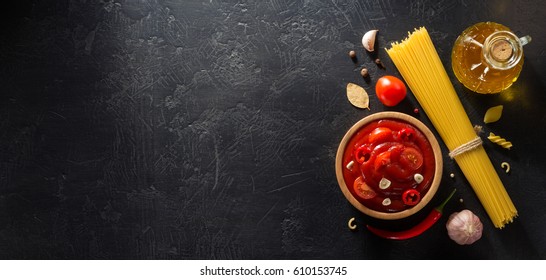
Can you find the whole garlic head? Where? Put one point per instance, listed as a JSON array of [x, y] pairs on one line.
[[464, 227]]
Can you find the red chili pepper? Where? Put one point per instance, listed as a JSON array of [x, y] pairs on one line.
[[425, 224], [411, 197], [406, 134], [362, 153]]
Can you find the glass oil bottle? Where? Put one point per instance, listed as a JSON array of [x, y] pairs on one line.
[[487, 57]]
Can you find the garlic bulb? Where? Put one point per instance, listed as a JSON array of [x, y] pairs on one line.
[[368, 40], [464, 227]]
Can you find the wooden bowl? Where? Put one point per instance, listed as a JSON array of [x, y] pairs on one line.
[[435, 180]]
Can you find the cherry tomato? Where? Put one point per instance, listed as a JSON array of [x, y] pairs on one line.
[[362, 189], [380, 134], [411, 158], [390, 90], [411, 197]]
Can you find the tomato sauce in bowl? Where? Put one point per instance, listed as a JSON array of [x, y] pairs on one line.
[[389, 165]]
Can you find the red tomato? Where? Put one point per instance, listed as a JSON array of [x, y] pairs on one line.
[[411, 158], [362, 189], [390, 90], [380, 134]]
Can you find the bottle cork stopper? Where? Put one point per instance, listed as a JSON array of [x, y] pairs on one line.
[[501, 50]]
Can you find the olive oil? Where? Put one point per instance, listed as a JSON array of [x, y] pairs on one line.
[[487, 57]]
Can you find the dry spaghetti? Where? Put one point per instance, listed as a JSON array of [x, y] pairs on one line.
[[418, 62]]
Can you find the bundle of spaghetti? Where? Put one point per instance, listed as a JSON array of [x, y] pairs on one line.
[[420, 66]]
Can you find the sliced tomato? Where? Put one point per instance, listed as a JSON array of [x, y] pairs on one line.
[[380, 134], [411, 158], [362, 189]]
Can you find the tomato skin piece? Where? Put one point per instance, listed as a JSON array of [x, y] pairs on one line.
[[382, 160], [390, 90], [380, 134]]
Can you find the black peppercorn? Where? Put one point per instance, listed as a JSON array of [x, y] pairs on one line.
[[379, 63]]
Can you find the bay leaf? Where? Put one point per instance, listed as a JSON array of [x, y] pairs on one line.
[[358, 96]]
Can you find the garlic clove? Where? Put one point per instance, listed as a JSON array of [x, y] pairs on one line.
[[464, 227], [368, 40]]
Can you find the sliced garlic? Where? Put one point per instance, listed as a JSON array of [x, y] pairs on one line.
[[350, 165], [386, 202], [418, 178], [368, 40], [384, 183]]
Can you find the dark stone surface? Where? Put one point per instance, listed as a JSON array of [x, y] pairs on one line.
[[208, 129]]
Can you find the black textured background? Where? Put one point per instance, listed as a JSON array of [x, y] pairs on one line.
[[164, 129]]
